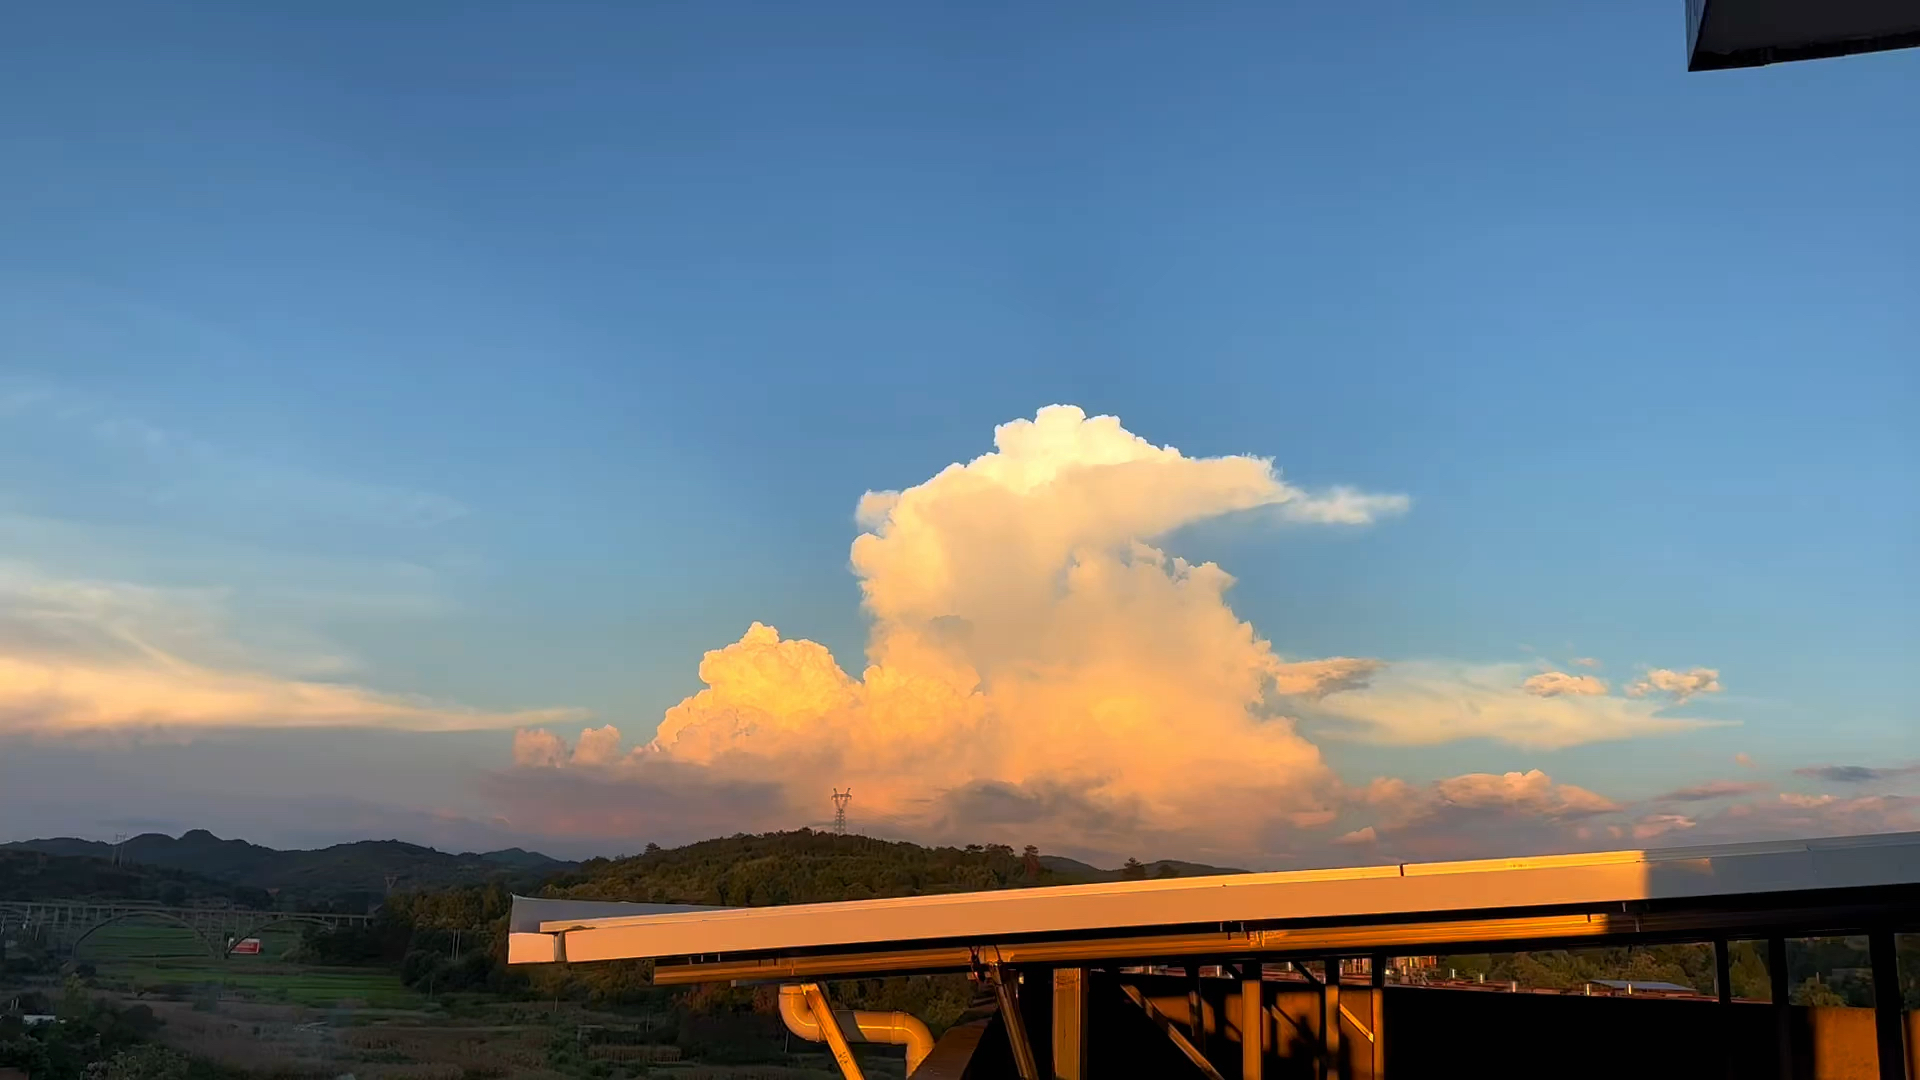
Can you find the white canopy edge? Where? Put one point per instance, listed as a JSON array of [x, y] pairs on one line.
[[579, 930]]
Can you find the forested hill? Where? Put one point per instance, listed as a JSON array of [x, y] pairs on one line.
[[365, 869], [811, 867], [35, 875]]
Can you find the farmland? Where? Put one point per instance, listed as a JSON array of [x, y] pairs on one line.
[[156, 959], [275, 1015]]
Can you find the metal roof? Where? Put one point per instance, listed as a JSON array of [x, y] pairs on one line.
[[1749, 33], [1578, 896], [1642, 984]]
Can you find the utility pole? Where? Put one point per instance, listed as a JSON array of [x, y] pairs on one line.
[[840, 801]]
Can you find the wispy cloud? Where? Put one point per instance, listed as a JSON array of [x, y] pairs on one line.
[[178, 464], [1856, 774], [1432, 701], [1713, 789], [93, 656]]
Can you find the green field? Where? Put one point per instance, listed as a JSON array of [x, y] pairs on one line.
[[168, 960]]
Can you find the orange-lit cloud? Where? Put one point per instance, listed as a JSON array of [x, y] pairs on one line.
[[1425, 702], [1035, 663], [80, 656], [1557, 683], [1477, 814], [1680, 685], [1038, 670]]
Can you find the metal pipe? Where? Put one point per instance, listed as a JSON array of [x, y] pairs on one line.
[[894, 1028]]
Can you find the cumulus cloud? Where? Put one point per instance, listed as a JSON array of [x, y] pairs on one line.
[[1036, 667], [1744, 760], [1039, 670], [1586, 661], [1680, 685], [89, 656], [1855, 774], [1557, 683]]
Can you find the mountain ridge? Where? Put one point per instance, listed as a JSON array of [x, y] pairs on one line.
[[369, 867]]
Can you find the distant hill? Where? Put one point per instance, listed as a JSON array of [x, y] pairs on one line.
[[809, 867], [1158, 869], [368, 867], [35, 875]]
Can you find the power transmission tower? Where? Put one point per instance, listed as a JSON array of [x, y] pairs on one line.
[[840, 801]]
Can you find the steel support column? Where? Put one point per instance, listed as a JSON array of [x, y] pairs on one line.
[[1723, 989], [1377, 975], [1069, 1024], [1253, 1021], [1196, 1008], [1889, 1021], [1782, 994], [1330, 1019]]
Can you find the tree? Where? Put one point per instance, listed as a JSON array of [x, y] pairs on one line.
[[141, 1063], [1815, 992], [1134, 870], [1030, 862]]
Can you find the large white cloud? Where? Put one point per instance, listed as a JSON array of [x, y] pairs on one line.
[[1038, 670], [1035, 664]]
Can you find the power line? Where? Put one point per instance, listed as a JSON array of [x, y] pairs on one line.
[[840, 801]]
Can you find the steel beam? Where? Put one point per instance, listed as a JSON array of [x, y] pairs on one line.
[[1536, 932], [1889, 1020], [1172, 1032], [836, 1039], [1007, 991], [1069, 1024]]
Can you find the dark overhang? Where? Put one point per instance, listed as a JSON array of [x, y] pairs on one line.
[[1749, 33]]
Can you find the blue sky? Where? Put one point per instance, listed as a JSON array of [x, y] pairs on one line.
[[515, 355]]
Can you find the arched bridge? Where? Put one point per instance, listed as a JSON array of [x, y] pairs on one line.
[[67, 923]]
